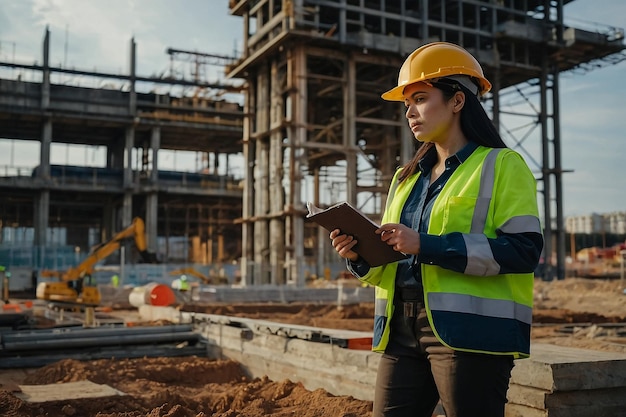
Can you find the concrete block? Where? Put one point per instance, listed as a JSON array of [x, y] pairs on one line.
[[153, 313], [527, 396], [517, 410], [557, 368], [558, 381], [596, 400], [316, 365]]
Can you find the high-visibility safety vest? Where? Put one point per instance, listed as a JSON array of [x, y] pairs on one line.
[[479, 310]]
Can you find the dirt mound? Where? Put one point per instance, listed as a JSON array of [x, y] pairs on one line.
[[178, 387]]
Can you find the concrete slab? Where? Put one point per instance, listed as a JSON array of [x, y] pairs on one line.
[[517, 410], [66, 391], [558, 381], [558, 368], [537, 398]]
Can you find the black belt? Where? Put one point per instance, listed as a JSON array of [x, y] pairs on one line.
[[410, 294]]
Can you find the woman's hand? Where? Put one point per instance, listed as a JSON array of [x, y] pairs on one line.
[[400, 237], [343, 244]]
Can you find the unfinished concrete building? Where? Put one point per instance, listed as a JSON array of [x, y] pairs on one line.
[[316, 129]]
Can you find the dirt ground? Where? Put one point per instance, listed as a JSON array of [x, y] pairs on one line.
[[585, 313]]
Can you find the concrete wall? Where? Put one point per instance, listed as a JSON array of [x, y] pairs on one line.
[[206, 294], [316, 365]]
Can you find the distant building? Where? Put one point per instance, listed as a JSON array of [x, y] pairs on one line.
[[614, 223]]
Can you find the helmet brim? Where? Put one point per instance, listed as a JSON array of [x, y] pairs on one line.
[[395, 94]]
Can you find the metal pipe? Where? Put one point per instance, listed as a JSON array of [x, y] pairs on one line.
[[77, 333], [91, 341]]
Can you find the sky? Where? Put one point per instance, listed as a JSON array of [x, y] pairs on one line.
[[95, 35]]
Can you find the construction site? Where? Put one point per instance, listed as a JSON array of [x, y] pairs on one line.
[[133, 290]]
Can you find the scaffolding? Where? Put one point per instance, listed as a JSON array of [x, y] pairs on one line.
[[316, 129]]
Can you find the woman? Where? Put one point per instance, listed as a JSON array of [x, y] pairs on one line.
[[451, 319]]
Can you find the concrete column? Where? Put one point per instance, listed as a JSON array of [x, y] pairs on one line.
[[45, 83], [247, 227], [152, 199], [44, 154], [277, 236], [132, 96], [42, 201], [127, 205], [261, 208], [261, 172], [155, 145], [297, 78]]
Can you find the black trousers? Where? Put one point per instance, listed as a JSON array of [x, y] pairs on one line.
[[412, 378]]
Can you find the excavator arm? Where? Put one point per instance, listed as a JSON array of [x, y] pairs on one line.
[[62, 291], [193, 272], [136, 230]]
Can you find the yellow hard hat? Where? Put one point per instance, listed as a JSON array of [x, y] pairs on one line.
[[437, 60]]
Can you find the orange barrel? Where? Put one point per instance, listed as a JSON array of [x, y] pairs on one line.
[[153, 294]]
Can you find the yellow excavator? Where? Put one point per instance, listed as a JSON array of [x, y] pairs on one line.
[[76, 285]]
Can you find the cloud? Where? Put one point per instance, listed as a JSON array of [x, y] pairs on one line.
[[96, 35], [594, 17]]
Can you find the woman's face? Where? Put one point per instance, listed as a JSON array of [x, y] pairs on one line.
[[430, 117]]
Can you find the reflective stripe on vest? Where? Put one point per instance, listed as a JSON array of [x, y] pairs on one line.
[[476, 242], [462, 303], [487, 179]]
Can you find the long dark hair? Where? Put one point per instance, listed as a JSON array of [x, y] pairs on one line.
[[475, 125]]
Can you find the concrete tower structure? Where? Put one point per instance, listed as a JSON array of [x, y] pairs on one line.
[[316, 129]]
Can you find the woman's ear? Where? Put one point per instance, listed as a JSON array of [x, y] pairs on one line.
[[459, 101]]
